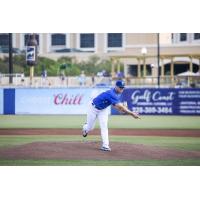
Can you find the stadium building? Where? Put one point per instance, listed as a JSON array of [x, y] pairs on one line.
[[137, 52]]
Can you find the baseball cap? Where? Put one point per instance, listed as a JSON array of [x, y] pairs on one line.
[[120, 83]]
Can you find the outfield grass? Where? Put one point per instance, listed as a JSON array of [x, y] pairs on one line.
[[76, 121], [185, 162]]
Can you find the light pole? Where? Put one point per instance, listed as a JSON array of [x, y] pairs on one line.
[[158, 58], [10, 59], [31, 55], [144, 52]]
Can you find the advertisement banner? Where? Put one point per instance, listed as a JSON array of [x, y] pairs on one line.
[[54, 101], [148, 101], [30, 53], [1, 101]]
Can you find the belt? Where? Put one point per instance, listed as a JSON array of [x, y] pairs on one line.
[[96, 106]]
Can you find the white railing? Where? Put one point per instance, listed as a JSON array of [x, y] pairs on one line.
[[19, 80], [4, 78]]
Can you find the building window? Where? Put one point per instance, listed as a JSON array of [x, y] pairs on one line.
[[87, 40], [26, 38], [58, 39], [183, 37], [114, 40], [197, 36], [4, 40]]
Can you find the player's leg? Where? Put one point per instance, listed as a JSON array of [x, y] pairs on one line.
[[103, 122], [91, 119]]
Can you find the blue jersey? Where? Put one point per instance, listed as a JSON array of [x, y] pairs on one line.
[[107, 98]]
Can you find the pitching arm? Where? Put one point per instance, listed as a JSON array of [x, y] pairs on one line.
[[122, 108]]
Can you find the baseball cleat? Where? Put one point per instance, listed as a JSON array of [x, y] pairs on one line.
[[84, 132], [105, 149]]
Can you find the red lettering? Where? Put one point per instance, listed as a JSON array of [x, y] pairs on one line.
[[56, 98], [70, 100], [79, 99], [75, 99], [64, 99]]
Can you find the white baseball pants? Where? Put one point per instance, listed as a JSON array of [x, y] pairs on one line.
[[102, 115]]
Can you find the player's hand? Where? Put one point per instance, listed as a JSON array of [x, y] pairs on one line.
[[136, 115]]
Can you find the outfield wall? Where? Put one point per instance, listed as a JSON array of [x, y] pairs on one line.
[[146, 101], [165, 101], [48, 101], [53, 101]]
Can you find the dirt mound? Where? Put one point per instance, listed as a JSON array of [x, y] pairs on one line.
[[90, 151]]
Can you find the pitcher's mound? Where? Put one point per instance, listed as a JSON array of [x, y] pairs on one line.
[[91, 151]]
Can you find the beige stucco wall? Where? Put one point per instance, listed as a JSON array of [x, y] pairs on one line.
[[73, 39], [101, 42], [133, 44], [140, 38], [44, 42], [165, 38], [181, 49], [17, 42]]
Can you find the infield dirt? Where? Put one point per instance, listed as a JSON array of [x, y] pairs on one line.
[[90, 150]]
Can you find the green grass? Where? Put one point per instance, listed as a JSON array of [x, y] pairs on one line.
[[12, 140], [186, 162], [76, 121], [124, 122], [184, 143]]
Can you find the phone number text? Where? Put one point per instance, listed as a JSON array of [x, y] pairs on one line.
[[147, 110]]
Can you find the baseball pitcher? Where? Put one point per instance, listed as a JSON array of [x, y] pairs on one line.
[[98, 108]]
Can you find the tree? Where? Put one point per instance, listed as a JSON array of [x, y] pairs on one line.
[[73, 68]]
